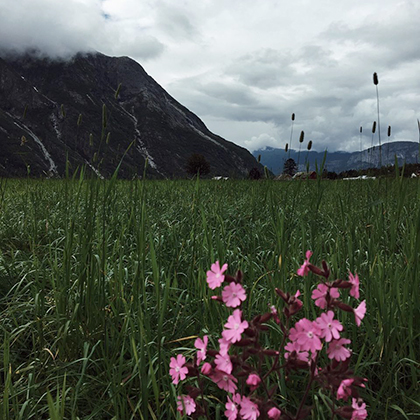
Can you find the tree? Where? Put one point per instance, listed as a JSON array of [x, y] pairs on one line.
[[197, 164], [254, 173], [290, 167]]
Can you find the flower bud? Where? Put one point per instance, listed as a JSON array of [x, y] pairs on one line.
[[256, 319], [343, 306], [239, 276], [270, 352], [250, 332], [206, 368], [281, 294], [341, 284], [326, 269], [230, 279], [265, 317], [253, 380], [274, 413], [316, 270], [295, 307]]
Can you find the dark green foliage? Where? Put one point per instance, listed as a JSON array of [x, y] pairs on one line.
[[197, 165], [102, 282], [290, 167], [254, 173]]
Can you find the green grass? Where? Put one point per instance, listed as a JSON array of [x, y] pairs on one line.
[[100, 281]]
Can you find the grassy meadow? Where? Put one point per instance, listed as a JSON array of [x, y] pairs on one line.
[[101, 282]]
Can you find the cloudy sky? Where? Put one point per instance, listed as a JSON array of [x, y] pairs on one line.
[[244, 66]]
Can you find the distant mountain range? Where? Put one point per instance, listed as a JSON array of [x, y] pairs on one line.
[[405, 151], [96, 111]]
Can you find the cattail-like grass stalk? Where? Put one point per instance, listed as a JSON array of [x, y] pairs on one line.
[[309, 147], [79, 122], [376, 82], [301, 138], [371, 143], [361, 148], [418, 126], [291, 132], [389, 135]]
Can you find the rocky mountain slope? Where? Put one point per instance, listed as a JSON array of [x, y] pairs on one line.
[[50, 110], [405, 151]]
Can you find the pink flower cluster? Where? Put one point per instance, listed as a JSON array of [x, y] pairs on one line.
[[233, 369]]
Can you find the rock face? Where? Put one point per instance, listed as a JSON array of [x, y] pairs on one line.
[[404, 151], [50, 110]]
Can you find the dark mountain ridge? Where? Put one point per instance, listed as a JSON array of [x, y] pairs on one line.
[[405, 151], [50, 110]]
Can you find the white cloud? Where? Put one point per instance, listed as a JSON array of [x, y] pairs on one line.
[[260, 142]]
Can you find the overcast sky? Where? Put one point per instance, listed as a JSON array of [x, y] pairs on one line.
[[244, 66]]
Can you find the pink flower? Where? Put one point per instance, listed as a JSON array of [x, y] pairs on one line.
[[223, 363], [233, 294], [296, 330], [234, 327], [292, 346], [249, 410], [232, 407], [359, 409], [201, 346], [329, 328], [337, 351], [354, 280], [185, 401], [304, 269], [308, 338], [321, 292], [253, 381], [177, 369], [206, 368], [294, 304], [344, 390], [224, 346], [215, 276], [274, 413], [359, 313], [224, 380]]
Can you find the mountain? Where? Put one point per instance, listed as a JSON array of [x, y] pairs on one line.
[[405, 151], [96, 111]]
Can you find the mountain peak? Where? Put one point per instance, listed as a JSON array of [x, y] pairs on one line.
[[51, 109]]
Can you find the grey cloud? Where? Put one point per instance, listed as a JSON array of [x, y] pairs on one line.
[[61, 29], [264, 69], [236, 95], [391, 40], [175, 23], [142, 48], [57, 29]]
